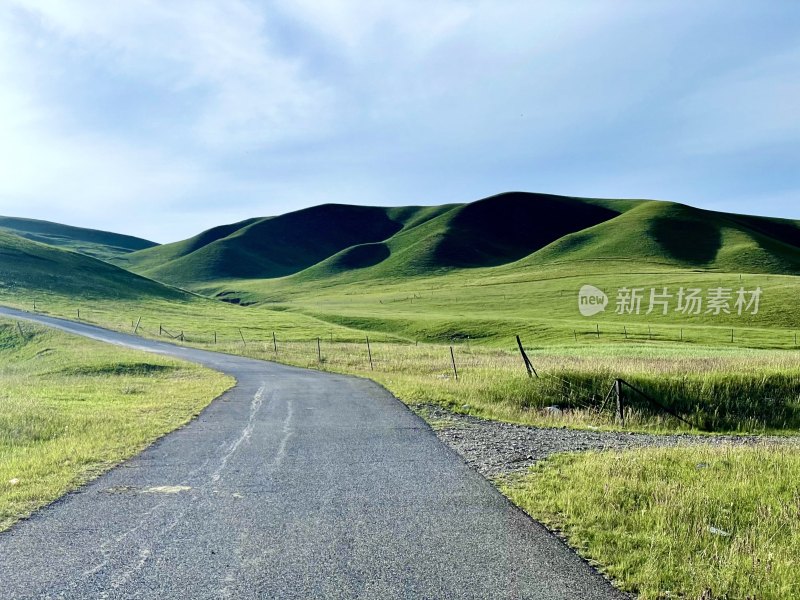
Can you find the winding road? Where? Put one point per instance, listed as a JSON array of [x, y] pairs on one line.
[[293, 484]]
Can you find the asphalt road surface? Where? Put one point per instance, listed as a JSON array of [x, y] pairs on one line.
[[294, 484]]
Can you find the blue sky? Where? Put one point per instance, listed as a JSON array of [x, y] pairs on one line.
[[161, 118]]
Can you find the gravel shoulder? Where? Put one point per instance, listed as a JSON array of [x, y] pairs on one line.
[[495, 448]]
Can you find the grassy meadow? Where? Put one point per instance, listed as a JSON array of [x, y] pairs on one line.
[[72, 408], [749, 385], [704, 522], [689, 363]]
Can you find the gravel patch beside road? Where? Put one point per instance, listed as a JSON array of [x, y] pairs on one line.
[[495, 448]]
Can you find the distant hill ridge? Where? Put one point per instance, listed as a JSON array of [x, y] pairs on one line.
[[518, 229], [332, 238], [100, 244], [29, 266], [339, 243]]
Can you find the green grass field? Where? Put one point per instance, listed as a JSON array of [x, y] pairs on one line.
[[702, 522], [687, 362], [72, 408]]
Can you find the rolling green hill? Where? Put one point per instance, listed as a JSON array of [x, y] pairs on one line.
[[28, 267], [487, 233], [331, 240], [506, 264], [269, 247], [100, 244], [529, 235], [665, 233]]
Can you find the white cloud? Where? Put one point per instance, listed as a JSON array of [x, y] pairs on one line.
[[245, 93], [213, 107]]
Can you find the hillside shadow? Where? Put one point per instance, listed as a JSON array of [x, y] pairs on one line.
[[360, 257], [508, 227], [692, 241]]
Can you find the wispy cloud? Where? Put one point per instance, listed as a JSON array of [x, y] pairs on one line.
[[221, 109]]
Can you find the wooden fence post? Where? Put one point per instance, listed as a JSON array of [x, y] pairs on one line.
[[241, 335], [598, 330], [274, 343], [528, 364], [319, 352], [215, 338], [620, 401], [369, 353], [135, 329], [453, 358]]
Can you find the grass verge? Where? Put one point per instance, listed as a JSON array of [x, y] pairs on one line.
[[704, 522], [720, 390], [72, 408]]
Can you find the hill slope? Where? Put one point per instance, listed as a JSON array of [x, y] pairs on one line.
[[100, 244], [27, 266], [272, 246], [682, 236], [332, 239], [509, 232], [490, 232]]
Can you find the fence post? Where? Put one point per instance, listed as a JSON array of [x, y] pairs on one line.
[[625, 331], [79, 314], [215, 338], [241, 335], [135, 329], [528, 364], [453, 358], [598, 330], [274, 343], [369, 353], [22, 333], [620, 401], [319, 352]]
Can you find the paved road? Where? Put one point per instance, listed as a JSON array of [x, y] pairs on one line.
[[294, 484]]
